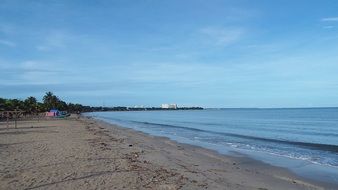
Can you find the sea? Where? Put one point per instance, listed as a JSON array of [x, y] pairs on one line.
[[303, 140]]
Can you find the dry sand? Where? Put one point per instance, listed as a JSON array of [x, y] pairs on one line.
[[89, 154]]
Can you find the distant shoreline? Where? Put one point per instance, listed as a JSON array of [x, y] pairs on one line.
[[119, 108], [274, 108], [199, 108]]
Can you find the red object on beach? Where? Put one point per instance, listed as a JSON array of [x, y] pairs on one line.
[[52, 113]]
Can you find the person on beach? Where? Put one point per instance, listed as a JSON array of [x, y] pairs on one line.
[[78, 114]]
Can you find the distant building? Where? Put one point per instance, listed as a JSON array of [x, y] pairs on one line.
[[165, 106], [169, 106]]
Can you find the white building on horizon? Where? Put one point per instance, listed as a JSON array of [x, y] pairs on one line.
[[169, 106]]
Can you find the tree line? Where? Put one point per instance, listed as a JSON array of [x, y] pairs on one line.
[[50, 101]]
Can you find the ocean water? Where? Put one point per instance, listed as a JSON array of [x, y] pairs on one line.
[[303, 140]]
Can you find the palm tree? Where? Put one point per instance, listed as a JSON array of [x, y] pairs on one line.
[[14, 104], [30, 104], [50, 100]]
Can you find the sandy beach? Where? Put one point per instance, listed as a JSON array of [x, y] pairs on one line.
[[88, 154]]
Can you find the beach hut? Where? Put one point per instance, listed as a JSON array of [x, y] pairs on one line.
[[53, 113]]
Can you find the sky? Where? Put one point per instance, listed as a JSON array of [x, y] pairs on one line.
[[215, 53]]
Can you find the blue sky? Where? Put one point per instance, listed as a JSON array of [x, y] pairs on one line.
[[215, 53]]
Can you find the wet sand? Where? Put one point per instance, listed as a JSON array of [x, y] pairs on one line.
[[89, 154]]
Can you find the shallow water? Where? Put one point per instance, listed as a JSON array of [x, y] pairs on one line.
[[304, 140]]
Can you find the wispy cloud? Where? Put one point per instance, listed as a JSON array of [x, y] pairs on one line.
[[223, 36], [41, 72], [329, 19], [328, 27], [7, 43], [31, 72], [36, 66], [180, 74], [55, 39]]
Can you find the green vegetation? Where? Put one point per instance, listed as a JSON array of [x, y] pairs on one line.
[[50, 101]]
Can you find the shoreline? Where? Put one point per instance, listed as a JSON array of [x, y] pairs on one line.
[[234, 157], [90, 153]]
